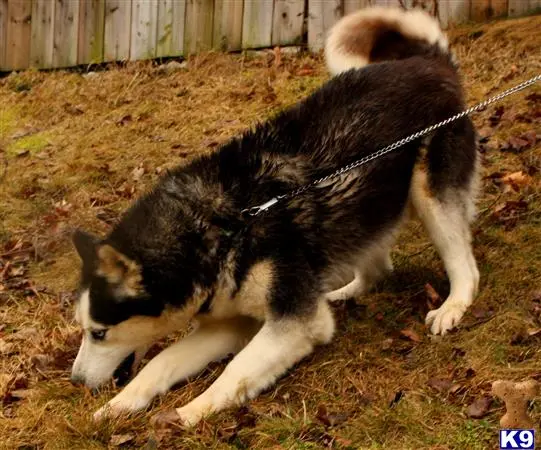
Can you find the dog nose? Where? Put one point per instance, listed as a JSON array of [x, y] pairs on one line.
[[77, 380]]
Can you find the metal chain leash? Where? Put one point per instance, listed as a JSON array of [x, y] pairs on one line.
[[256, 210]]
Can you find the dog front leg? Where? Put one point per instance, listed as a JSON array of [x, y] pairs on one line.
[[274, 349], [181, 360]]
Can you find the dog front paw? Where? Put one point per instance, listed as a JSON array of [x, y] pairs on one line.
[[191, 415], [445, 318], [121, 404]]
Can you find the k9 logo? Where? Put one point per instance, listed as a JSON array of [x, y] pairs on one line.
[[521, 439]]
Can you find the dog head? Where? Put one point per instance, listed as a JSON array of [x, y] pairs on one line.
[[119, 318]]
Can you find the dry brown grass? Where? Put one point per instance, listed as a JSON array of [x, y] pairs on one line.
[[70, 145]]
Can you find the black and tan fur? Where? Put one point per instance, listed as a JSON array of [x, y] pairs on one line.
[[259, 287]]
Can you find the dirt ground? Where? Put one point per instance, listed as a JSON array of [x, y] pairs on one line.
[[76, 148]]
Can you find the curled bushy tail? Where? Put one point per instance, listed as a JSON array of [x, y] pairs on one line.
[[379, 34]]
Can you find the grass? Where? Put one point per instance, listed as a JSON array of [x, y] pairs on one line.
[[76, 151]]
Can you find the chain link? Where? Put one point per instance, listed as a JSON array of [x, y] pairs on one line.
[[256, 210]]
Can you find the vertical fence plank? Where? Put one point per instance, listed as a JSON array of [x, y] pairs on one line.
[[498, 8], [454, 12], [518, 7], [322, 15], [164, 33], [480, 10], [42, 34], [91, 29], [3, 33], [179, 26], [18, 34], [444, 14], [143, 29], [66, 21], [116, 45], [198, 26], [388, 3], [353, 5], [170, 34], [288, 22], [227, 30], [257, 23], [535, 6]]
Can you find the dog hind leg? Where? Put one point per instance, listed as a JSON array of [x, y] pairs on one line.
[[447, 222]]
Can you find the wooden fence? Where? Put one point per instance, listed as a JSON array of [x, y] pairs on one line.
[[63, 33]]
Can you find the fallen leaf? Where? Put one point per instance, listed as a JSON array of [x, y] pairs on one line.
[[126, 191], [13, 384], [27, 131], [24, 334], [165, 419], [21, 394], [484, 134], [515, 144], [124, 120], [526, 337], [119, 439], [137, 173], [343, 442], [434, 298], [330, 419], [42, 362], [479, 408], [440, 384], [245, 418], [496, 116], [62, 208], [396, 398], [73, 110], [511, 74], [305, 72], [5, 347], [481, 313], [531, 137], [22, 152], [411, 334], [534, 97], [509, 211], [5, 380], [387, 344], [517, 180]]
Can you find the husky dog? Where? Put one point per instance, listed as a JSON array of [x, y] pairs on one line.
[[259, 287]]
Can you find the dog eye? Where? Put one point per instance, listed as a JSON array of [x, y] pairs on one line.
[[98, 335]]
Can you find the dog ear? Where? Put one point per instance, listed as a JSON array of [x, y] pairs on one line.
[[85, 244], [120, 271]]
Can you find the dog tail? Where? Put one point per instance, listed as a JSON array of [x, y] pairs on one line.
[[379, 34]]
